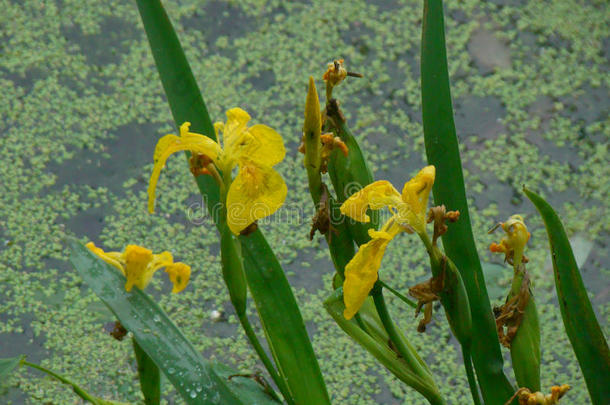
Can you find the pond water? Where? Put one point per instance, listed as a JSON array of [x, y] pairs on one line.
[[81, 109]]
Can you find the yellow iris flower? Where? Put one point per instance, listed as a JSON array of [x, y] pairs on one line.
[[409, 215], [258, 190], [138, 265], [513, 245]]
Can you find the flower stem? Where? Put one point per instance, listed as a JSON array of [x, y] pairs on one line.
[[397, 294], [433, 396], [258, 348], [77, 389]]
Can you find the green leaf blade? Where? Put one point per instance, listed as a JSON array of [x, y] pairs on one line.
[[282, 321], [525, 349], [443, 152], [582, 328], [183, 95]]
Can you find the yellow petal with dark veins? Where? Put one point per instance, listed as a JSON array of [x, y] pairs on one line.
[[256, 192]]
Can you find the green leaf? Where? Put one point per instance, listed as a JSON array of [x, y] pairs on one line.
[[235, 279], [156, 334], [579, 320], [281, 318], [183, 95], [8, 365], [282, 322], [150, 378], [443, 152]]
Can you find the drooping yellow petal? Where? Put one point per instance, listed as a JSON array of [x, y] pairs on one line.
[[256, 192], [361, 272], [415, 195], [179, 274], [374, 196], [112, 258], [417, 190], [170, 144]]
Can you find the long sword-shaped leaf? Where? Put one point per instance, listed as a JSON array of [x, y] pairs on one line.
[[280, 318], [282, 322], [156, 334], [585, 334], [443, 152], [183, 95]]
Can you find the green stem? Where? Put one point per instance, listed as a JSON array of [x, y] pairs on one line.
[[519, 272], [360, 323], [78, 390], [397, 294], [390, 328], [429, 247], [329, 91], [472, 382], [258, 348]]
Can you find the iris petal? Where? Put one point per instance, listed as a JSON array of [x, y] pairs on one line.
[[375, 196], [170, 144], [136, 260], [179, 274], [361, 272], [417, 190], [256, 192]]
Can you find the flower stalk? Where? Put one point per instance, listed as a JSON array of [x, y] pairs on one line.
[[518, 315]]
